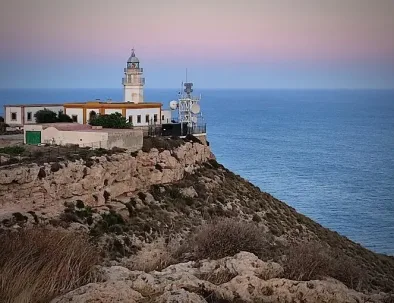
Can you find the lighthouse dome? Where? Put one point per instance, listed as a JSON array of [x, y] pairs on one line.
[[133, 58]]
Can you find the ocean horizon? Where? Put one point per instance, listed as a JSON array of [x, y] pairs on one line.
[[329, 153]]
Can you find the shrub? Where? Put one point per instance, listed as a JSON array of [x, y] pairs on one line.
[[311, 260], [45, 116], [307, 261], [61, 117], [227, 238], [38, 264], [12, 150], [114, 120]]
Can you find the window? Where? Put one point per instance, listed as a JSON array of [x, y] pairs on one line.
[[139, 119], [29, 115], [13, 116], [155, 118], [75, 118], [147, 118], [130, 119], [162, 117]]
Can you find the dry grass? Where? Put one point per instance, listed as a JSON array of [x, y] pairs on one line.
[[227, 238], [307, 261], [156, 255], [38, 264], [311, 260]]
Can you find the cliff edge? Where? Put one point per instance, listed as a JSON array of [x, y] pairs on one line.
[[170, 224]]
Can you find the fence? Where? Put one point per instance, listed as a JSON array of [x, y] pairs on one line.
[[175, 129]]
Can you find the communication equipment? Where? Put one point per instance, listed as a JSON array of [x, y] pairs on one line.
[[174, 105], [195, 108]]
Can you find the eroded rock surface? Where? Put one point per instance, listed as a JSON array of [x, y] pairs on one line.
[[242, 278], [33, 188]]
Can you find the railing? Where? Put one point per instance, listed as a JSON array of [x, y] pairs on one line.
[[138, 70], [134, 81]]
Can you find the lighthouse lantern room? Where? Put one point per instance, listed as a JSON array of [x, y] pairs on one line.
[[133, 82]]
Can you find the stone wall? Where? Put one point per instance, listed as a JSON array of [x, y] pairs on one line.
[[131, 140], [31, 187]]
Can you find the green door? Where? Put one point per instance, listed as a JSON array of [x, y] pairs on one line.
[[33, 137]]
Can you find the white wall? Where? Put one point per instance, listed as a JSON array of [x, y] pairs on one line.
[[167, 116], [76, 111], [92, 139], [109, 111], [134, 94], [143, 112], [35, 109], [8, 114]]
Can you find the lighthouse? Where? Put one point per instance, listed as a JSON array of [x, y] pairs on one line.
[[133, 82]]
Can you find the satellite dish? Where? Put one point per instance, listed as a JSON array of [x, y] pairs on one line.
[[195, 108], [194, 119], [174, 104]]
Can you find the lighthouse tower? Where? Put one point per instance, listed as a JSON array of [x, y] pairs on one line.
[[133, 82]]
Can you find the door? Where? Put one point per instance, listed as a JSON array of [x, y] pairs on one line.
[[33, 137]]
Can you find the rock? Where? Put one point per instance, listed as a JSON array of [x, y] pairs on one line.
[[189, 192], [31, 187], [181, 296], [105, 292], [115, 273], [242, 278]]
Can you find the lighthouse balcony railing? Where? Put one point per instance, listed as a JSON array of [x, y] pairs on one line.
[[139, 70], [133, 81]]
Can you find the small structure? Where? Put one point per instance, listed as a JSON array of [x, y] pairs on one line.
[[82, 135], [16, 116]]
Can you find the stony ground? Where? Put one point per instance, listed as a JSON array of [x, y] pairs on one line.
[[241, 278], [211, 194]]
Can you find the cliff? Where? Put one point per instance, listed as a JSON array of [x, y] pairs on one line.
[[33, 187], [162, 216]]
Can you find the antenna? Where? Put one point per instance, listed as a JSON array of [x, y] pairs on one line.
[[186, 74]]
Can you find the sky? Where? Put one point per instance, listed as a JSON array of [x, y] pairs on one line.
[[223, 43]]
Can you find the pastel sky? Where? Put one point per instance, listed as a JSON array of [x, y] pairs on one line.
[[223, 43]]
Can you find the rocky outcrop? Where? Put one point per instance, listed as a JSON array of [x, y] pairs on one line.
[[95, 181], [242, 278]]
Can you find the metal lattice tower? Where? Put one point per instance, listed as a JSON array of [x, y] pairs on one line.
[[189, 108]]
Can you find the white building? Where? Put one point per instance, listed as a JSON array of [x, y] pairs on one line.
[[82, 135], [142, 114], [19, 115], [133, 82]]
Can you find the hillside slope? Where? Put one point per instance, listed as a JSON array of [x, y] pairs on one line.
[[173, 215]]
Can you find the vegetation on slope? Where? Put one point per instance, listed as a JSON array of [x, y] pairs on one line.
[[213, 194], [38, 264]]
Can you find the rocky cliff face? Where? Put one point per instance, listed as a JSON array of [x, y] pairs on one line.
[[96, 180]]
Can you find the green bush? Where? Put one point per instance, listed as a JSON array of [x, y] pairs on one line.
[[114, 120], [47, 116], [12, 150]]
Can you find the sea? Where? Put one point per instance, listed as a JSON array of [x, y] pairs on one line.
[[327, 153]]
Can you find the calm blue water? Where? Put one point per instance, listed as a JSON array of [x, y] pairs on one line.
[[329, 154]]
